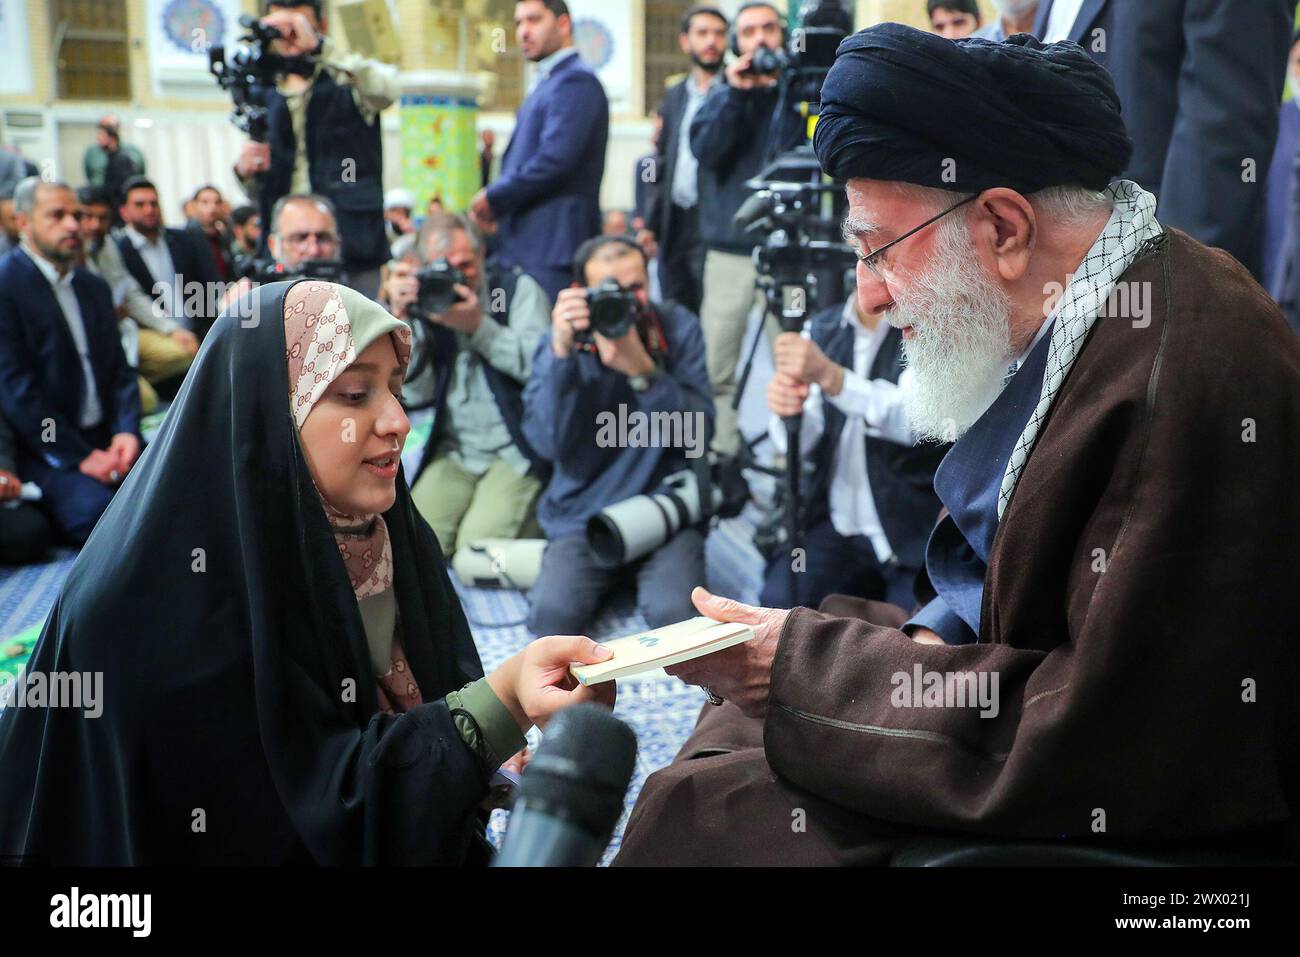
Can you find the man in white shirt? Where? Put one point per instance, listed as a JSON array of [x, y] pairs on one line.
[[871, 502], [165, 347], [65, 386]]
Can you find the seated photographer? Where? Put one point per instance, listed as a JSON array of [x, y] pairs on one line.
[[304, 241], [655, 367], [318, 125], [871, 503], [477, 330]]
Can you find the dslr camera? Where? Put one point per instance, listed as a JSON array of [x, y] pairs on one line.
[[437, 281], [613, 309]]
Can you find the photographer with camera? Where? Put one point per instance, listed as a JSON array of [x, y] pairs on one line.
[[475, 332], [323, 136], [739, 127], [872, 503], [612, 355], [303, 241]]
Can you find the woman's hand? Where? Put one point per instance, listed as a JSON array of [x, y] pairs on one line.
[[535, 683]]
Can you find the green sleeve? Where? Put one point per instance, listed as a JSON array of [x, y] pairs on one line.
[[484, 723]]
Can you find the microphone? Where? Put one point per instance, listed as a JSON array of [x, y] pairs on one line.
[[572, 791]]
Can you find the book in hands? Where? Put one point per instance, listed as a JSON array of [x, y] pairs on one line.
[[663, 647]]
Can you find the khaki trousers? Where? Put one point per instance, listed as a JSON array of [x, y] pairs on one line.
[[462, 507], [729, 296]]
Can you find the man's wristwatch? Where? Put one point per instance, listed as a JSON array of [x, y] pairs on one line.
[[640, 383]]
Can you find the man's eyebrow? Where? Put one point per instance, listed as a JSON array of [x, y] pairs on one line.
[[856, 226]]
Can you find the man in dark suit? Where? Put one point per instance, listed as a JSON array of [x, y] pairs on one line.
[[65, 387], [546, 200], [171, 265], [1201, 147], [673, 218]]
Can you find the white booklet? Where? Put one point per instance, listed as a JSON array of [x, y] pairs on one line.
[[662, 647]]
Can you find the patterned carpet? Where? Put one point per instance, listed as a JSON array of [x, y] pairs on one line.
[[660, 709]]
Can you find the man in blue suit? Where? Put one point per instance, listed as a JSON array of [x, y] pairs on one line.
[[546, 201], [66, 390], [1201, 147]]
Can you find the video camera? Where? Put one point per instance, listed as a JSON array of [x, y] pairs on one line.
[[437, 281], [253, 64], [613, 309]]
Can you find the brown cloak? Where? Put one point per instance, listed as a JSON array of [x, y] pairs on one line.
[[1141, 610]]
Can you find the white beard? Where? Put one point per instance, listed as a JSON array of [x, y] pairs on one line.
[[960, 350]]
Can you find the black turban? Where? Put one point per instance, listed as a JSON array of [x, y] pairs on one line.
[[898, 102]]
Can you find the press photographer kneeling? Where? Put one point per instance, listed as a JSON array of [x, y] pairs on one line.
[[617, 402], [475, 331]]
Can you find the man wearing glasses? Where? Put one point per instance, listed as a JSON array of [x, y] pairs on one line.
[[1119, 540], [303, 228]]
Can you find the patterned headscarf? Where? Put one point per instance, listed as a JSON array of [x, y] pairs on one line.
[[326, 326]]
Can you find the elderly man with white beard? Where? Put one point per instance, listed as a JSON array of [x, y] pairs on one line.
[[1116, 564]]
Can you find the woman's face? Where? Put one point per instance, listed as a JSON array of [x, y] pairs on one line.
[[353, 436]]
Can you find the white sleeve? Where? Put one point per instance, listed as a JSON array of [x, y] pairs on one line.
[[880, 403]]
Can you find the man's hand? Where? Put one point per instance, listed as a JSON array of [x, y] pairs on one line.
[[401, 288], [649, 245], [480, 212], [298, 36], [740, 80], [11, 486], [185, 339], [802, 360], [464, 315], [570, 315], [925, 636], [742, 673], [125, 449], [101, 466], [786, 394], [626, 354], [254, 158]]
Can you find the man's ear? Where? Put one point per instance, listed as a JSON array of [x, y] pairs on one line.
[[1005, 222], [685, 43], [273, 246]]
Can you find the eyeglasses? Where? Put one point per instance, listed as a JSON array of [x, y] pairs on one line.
[[872, 259], [298, 240]]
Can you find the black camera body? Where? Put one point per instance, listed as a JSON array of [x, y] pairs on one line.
[[268, 270], [437, 281], [253, 65], [766, 61], [613, 309]]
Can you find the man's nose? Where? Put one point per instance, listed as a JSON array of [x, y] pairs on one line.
[[873, 294]]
